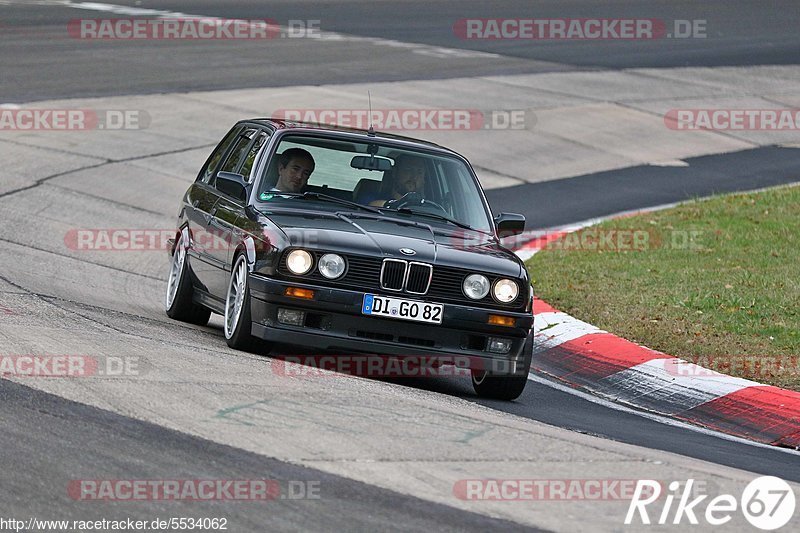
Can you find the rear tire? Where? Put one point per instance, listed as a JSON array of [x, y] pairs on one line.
[[178, 301], [504, 387]]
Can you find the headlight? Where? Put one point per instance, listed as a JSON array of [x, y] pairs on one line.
[[505, 290], [331, 266], [476, 286], [299, 262]]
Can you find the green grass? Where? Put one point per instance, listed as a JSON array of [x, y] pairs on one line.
[[715, 282]]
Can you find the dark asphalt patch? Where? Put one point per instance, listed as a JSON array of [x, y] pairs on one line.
[[566, 201]]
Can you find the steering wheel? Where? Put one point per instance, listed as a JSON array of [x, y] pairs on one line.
[[412, 198]]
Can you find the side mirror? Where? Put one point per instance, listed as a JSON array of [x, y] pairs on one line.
[[233, 185], [509, 224]]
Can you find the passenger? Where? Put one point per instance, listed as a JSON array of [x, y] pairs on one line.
[[407, 176]]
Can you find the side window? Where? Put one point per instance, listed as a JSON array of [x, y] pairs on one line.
[[211, 165], [247, 167], [239, 151]]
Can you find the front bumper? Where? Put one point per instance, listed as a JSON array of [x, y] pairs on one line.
[[334, 322]]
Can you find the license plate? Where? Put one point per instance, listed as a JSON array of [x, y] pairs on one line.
[[401, 308]]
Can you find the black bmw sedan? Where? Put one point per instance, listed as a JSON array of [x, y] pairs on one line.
[[352, 242]]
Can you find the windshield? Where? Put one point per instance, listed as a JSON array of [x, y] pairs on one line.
[[434, 189]]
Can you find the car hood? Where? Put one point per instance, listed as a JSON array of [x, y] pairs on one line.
[[378, 236]]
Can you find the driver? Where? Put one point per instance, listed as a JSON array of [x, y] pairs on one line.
[[408, 176], [294, 168]]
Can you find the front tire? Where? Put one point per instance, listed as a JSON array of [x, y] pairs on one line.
[[237, 307], [504, 387], [178, 301]]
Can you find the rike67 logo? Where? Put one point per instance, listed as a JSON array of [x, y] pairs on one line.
[[767, 503]]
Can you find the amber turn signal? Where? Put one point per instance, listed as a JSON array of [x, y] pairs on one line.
[[499, 320], [297, 292]]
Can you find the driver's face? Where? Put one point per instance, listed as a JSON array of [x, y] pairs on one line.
[[294, 176], [409, 177]]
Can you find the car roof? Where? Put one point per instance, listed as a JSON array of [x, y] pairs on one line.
[[283, 124]]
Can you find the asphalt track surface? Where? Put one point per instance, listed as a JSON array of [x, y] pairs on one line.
[[47, 440], [56, 429], [737, 33]]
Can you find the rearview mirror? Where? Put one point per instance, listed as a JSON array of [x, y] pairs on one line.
[[363, 162], [509, 224]]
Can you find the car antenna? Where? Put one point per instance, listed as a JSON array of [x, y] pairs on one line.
[[371, 130]]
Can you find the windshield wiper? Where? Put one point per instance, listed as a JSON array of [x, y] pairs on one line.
[[408, 210], [310, 195]]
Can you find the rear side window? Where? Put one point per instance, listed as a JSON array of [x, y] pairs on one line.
[[213, 162], [247, 167], [239, 151]]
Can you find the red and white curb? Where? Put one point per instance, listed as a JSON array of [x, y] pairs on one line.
[[590, 359]]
